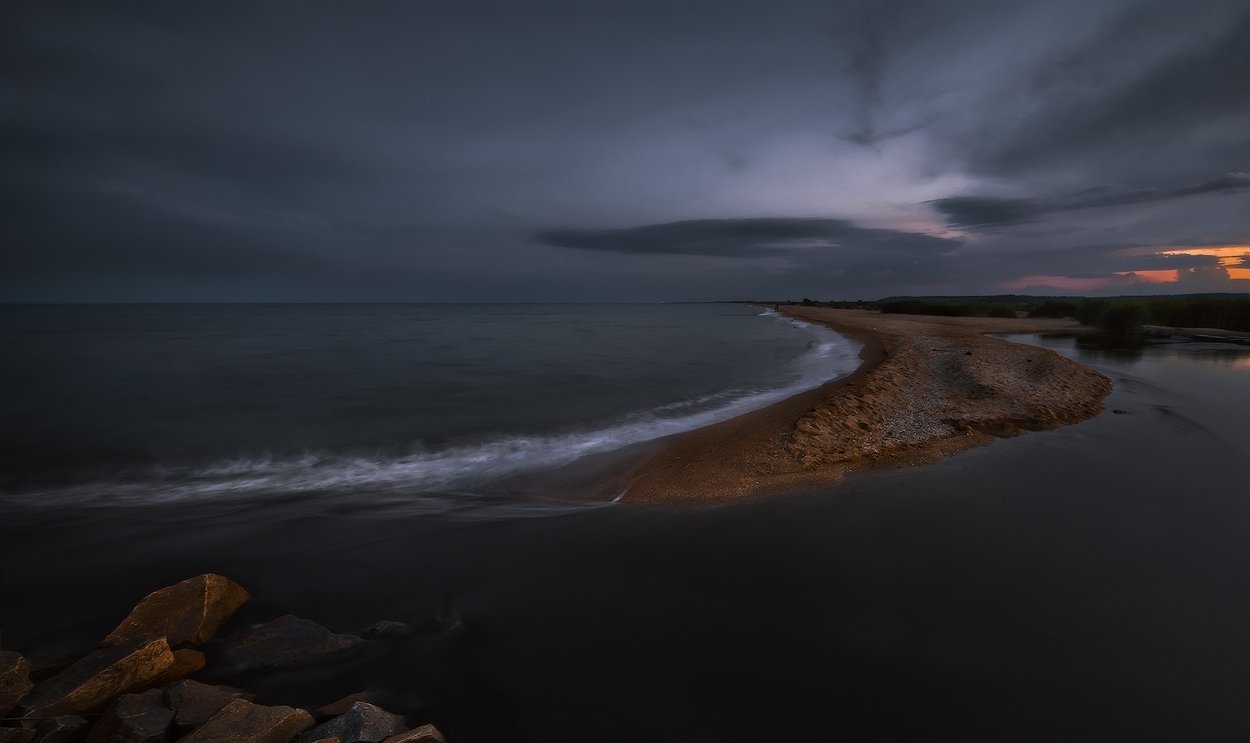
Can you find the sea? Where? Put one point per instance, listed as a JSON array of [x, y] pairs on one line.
[[427, 402], [1087, 583]]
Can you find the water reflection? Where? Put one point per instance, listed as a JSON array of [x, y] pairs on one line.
[[1095, 349], [1236, 358], [1100, 348]]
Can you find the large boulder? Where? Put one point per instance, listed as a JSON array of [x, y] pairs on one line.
[[14, 680], [286, 642], [244, 722], [189, 612], [62, 729], [194, 703], [46, 666], [423, 734], [361, 723], [134, 718], [341, 705], [186, 662], [93, 681]]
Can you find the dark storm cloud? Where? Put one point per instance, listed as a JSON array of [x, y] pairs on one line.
[[1159, 87], [989, 211], [868, 34], [779, 256], [748, 238], [412, 150]]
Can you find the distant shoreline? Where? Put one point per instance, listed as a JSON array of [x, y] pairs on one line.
[[927, 387]]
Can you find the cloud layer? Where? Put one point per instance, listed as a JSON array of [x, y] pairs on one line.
[[686, 150]]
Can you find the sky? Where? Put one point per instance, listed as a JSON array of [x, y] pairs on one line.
[[621, 150]]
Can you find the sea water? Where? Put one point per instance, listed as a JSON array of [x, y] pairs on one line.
[[150, 402], [1086, 583]]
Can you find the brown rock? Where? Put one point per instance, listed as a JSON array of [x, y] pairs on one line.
[[62, 729], [93, 681], [423, 734], [288, 641], [194, 703], [328, 740], [16, 735], [186, 662], [244, 722], [14, 680], [134, 718], [186, 612], [339, 706], [361, 723], [46, 666]]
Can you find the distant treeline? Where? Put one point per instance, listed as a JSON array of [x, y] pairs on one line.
[[952, 309], [1126, 317], [1116, 315]]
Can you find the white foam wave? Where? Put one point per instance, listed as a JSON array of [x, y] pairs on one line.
[[828, 356]]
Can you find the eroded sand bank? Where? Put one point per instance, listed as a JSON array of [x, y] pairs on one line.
[[928, 386]]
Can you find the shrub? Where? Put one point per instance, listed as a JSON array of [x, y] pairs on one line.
[[1122, 320], [1054, 309]]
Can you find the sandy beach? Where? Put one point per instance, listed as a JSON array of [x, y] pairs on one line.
[[927, 387]]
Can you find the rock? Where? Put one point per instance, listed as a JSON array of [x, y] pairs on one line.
[[93, 681], [134, 718], [62, 729], [184, 613], [186, 662], [14, 680], [244, 722], [423, 734], [288, 641], [16, 735], [339, 706], [328, 740], [361, 723], [194, 702], [389, 629], [46, 666]]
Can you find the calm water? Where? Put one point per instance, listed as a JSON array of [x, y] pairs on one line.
[[149, 402], [1083, 584]]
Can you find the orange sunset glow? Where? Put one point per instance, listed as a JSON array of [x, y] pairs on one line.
[[1232, 258], [1158, 276]]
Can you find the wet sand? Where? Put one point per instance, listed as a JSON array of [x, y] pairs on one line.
[[928, 387]]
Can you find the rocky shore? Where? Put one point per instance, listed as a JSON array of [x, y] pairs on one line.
[[928, 387], [136, 687]]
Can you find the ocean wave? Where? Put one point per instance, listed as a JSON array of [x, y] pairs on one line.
[[461, 467]]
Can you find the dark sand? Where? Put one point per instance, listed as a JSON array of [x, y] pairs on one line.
[[928, 387]]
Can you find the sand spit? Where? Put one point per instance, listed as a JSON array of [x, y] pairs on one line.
[[928, 387]]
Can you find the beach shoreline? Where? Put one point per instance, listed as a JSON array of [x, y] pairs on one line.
[[927, 387]]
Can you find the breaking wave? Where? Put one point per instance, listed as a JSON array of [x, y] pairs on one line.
[[460, 467]]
